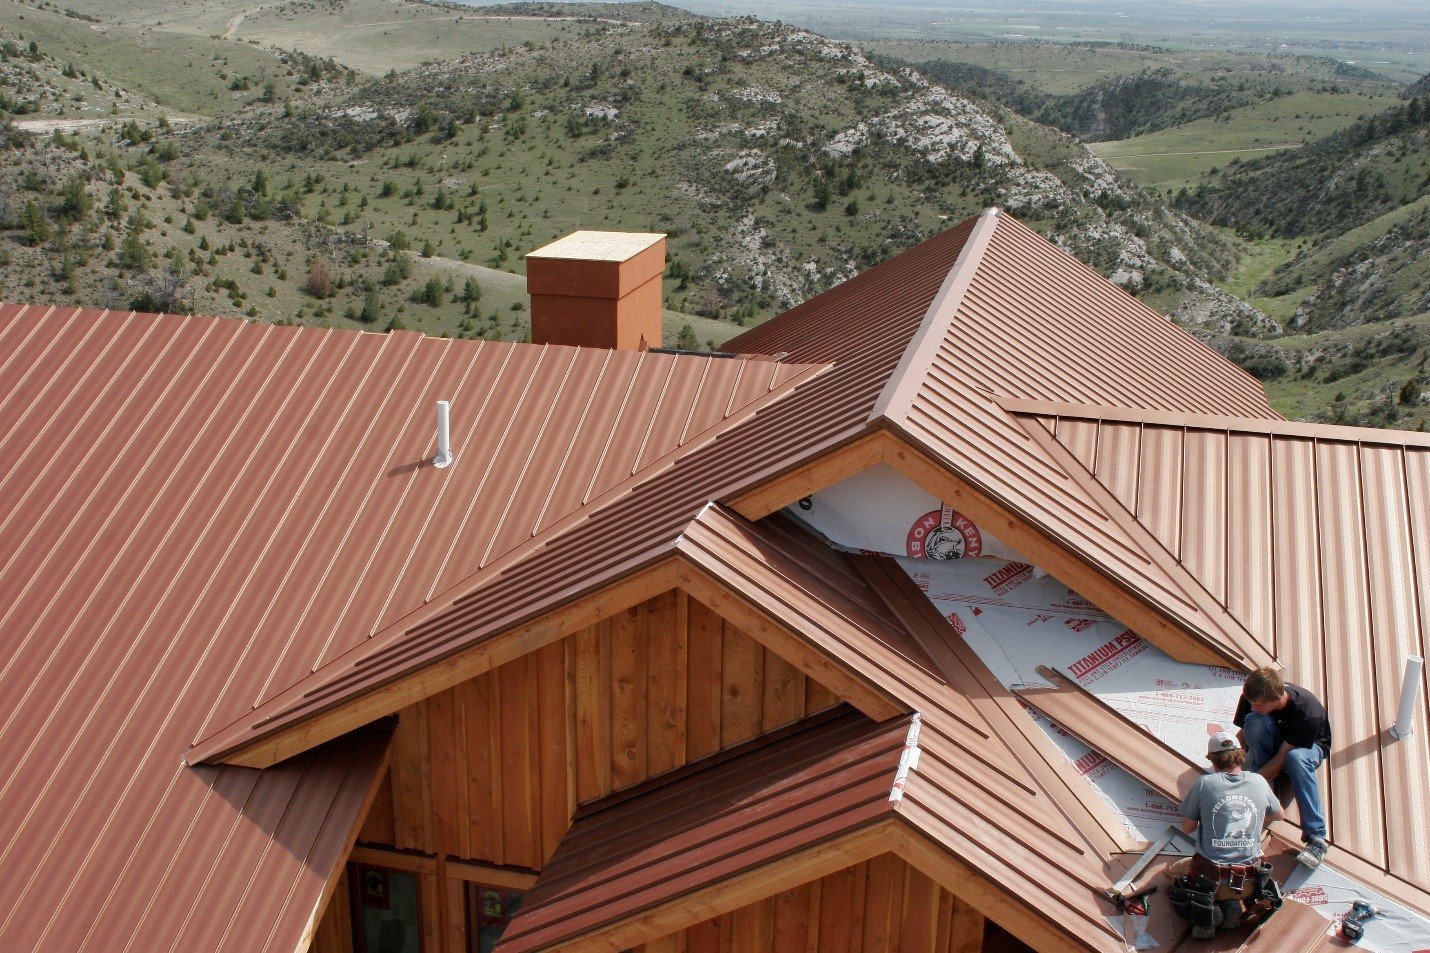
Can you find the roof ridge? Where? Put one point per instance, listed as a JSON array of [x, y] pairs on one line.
[[899, 391], [1022, 407]]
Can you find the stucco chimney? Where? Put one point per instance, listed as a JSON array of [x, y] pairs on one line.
[[597, 289]]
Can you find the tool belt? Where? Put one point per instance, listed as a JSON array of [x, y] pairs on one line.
[[1234, 876], [1193, 898]]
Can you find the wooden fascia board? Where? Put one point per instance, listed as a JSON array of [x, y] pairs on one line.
[[443, 674], [752, 886], [1130, 608], [976, 888], [888, 837], [844, 680], [788, 488], [676, 572], [305, 941]]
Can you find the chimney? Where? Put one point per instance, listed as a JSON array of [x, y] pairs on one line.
[[597, 289]]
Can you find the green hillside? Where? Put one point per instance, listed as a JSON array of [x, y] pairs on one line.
[[779, 163]]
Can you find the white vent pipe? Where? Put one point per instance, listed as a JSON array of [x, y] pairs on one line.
[[1404, 725], [443, 459]]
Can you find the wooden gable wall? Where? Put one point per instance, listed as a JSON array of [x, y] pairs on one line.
[[486, 776], [493, 769]]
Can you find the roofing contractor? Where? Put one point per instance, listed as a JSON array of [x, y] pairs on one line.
[[1285, 727], [1228, 810]]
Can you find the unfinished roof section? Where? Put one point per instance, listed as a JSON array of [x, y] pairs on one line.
[[1318, 539], [243, 503], [713, 822]]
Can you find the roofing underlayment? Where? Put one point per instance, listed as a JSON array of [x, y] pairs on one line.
[[1318, 539]]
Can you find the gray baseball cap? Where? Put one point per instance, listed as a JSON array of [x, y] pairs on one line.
[[1222, 741]]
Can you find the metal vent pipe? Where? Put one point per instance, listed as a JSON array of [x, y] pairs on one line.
[[1404, 725], [443, 459]]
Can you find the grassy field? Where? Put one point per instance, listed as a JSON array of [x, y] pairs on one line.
[[1057, 68], [186, 74], [374, 36], [371, 36], [1176, 158], [1258, 260]]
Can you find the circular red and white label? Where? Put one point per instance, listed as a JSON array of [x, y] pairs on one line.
[[944, 534]]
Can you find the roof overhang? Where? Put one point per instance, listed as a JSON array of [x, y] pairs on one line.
[[792, 629], [742, 826]]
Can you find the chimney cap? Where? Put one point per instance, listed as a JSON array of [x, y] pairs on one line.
[[598, 246]]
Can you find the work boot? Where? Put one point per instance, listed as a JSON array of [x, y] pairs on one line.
[[1314, 853], [1231, 913]]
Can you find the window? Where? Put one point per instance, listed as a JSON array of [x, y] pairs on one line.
[[489, 910], [385, 910]]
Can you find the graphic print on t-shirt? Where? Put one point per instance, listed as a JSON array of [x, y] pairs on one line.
[[1234, 824]]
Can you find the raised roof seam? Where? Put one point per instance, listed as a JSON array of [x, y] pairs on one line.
[[903, 385]]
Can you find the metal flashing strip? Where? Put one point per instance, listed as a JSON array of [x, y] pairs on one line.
[[1192, 421], [908, 761]]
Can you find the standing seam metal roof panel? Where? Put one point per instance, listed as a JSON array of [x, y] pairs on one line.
[[1338, 523], [207, 525]]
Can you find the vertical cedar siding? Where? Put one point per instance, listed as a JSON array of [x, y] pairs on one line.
[[493, 769]]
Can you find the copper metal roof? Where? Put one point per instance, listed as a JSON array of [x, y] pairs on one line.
[[241, 533], [197, 513], [710, 821], [881, 331], [1014, 316], [1318, 539]]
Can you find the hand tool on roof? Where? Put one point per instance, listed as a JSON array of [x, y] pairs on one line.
[[1352, 928], [1121, 893]]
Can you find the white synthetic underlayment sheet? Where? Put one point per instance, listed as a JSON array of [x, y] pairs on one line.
[[1017, 618]]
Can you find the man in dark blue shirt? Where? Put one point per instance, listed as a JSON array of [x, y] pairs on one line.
[[1285, 728]]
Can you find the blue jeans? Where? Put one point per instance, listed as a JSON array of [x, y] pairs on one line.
[[1263, 740]]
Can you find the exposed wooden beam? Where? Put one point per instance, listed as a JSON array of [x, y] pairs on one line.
[[443, 674], [849, 684], [828, 470], [490, 875], [377, 856]]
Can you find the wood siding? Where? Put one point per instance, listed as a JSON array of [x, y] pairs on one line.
[[895, 910], [493, 769]]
